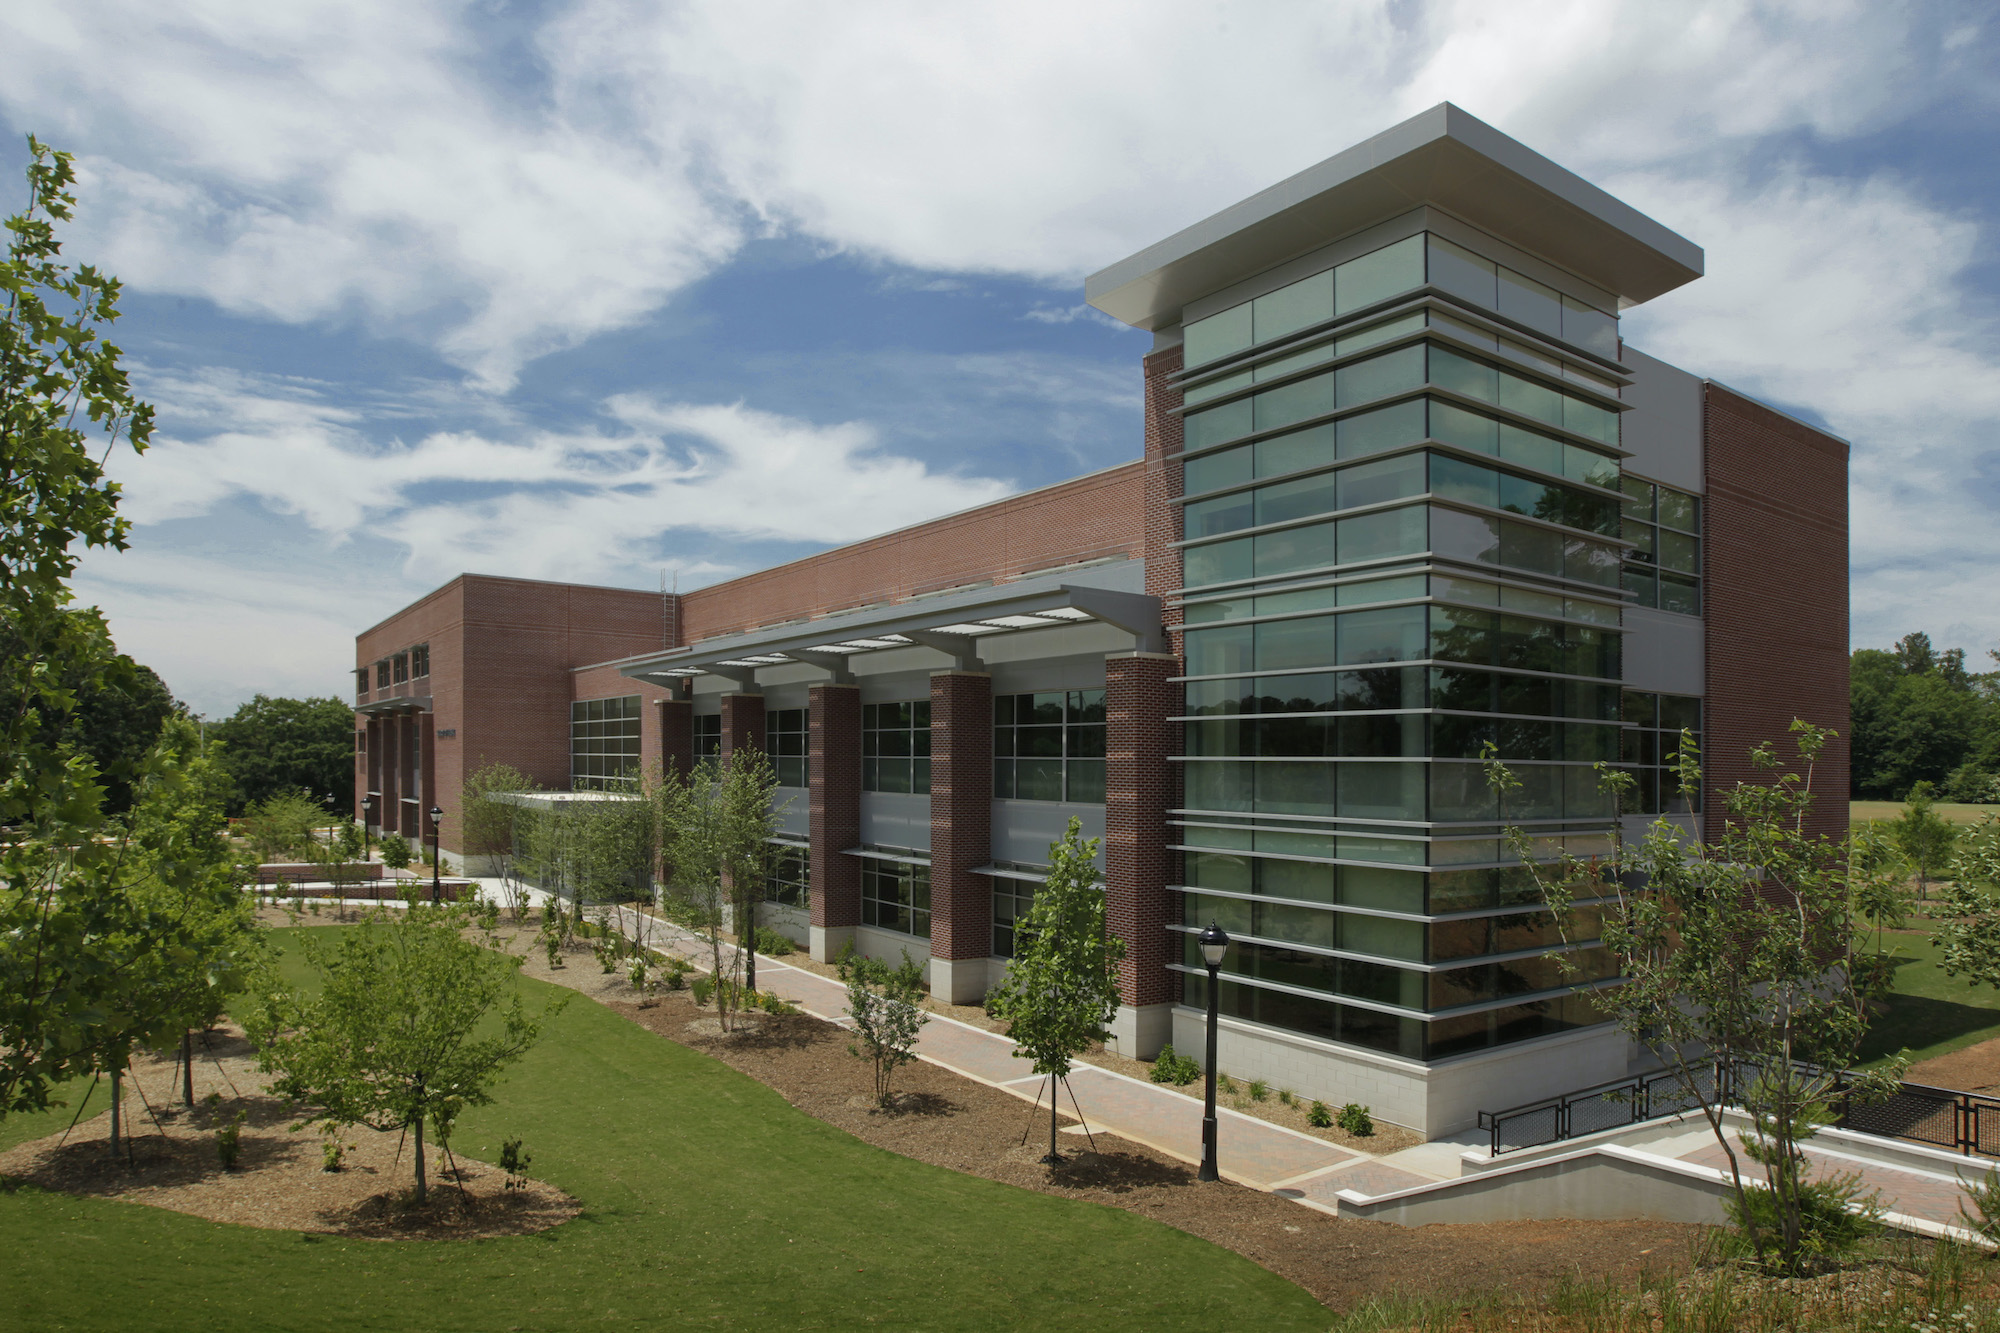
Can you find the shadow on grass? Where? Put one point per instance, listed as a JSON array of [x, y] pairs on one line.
[[1925, 1025]]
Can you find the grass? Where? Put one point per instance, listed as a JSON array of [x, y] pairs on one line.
[[1867, 812], [1930, 1013], [707, 1200]]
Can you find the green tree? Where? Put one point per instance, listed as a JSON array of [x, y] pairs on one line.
[[409, 1027], [1737, 950], [111, 718], [1062, 988], [396, 851], [715, 827], [1969, 934], [884, 1003], [1924, 837], [280, 826], [71, 935], [275, 745]]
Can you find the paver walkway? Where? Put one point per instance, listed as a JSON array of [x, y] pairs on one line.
[[1933, 1196]]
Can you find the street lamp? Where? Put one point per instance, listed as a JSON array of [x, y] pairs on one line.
[[1214, 944], [367, 813], [437, 820]]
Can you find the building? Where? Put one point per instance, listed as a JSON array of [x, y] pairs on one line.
[[1404, 490]]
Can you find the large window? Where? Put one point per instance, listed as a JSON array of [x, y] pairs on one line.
[[382, 674], [420, 661], [896, 895], [787, 740], [708, 737], [402, 667], [789, 880], [1651, 744], [1664, 567], [603, 742], [896, 747], [1012, 897], [1049, 746], [361, 683]]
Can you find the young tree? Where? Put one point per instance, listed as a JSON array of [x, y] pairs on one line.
[[70, 934], [1879, 897], [1735, 955], [715, 827], [1970, 930], [883, 1002], [282, 825], [1062, 987], [409, 1026], [396, 851], [1925, 837]]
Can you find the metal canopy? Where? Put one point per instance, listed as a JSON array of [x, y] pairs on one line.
[[402, 703], [954, 624]]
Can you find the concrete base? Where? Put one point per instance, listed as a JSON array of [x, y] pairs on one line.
[[960, 980], [824, 943], [1139, 1031], [791, 922]]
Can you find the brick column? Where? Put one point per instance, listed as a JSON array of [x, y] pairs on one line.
[[364, 755], [742, 723], [1139, 789], [672, 746], [834, 720], [961, 834], [389, 808]]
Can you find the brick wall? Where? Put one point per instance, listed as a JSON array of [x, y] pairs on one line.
[[961, 814], [742, 724], [1140, 787], [834, 770], [674, 734], [1774, 589]]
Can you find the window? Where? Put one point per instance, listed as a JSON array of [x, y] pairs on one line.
[[787, 741], [1049, 746], [361, 683], [1650, 746], [1664, 567], [1011, 900], [603, 742], [708, 737], [896, 747], [402, 666], [382, 674], [789, 881], [896, 896], [420, 662]]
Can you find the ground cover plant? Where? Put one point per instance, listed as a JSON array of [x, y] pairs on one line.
[[684, 1167]]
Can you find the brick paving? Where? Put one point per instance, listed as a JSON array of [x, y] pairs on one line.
[[1931, 1196]]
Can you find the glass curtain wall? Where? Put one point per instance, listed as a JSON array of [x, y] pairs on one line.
[[1404, 542], [603, 742]]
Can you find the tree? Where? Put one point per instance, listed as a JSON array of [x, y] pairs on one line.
[[281, 825], [1736, 961], [1062, 988], [112, 718], [1924, 837], [488, 826], [1969, 934], [883, 1001], [71, 934], [408, 1029], [396, 851], [275, 745], [715, 825]]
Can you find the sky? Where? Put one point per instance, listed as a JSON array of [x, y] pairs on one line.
[[633, 293]]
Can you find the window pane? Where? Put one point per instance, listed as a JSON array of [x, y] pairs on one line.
[[1461, 374], [1380, 275], [1289, 309], [1530, 303], [1380, 376], [1295, 643], [1086, 779], [1455, 479], [1386, 331], [1225, 513], [1038, 779], [1678, 593], [1310, 547], [1388, 479], [1384, 428], [1531, 548], [1589, 328], [1392, 634], [1461, 536], [1379, 536], [1296, 402], [1298, 499], [1678, 551], [1208, 472], [1216, 424], [1222, 562], [1218, 335], [1228, 384], [1457, 270], [1679, 510], [1295, 788], [1466, 429], [1531, 399], [1306, 448]]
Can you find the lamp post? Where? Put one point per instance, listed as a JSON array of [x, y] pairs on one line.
[[1214, 944], [367, 813], [437, 821]]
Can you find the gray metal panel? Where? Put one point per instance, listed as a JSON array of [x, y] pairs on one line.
[[1663, 429], [896, 819], [1441, 156], [1664, 652], [1023, 830], [1085, 672], [793, 807]]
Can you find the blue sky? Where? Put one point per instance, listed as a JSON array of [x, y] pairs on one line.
[[615, 292]]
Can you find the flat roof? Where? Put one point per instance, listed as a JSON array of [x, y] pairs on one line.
[[1442, 157]]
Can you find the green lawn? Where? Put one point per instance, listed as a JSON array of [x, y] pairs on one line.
[[1930, 1013], [708, 1200], [1863, 812]]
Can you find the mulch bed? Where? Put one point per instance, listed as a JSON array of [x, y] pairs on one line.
[[1973, 1069], [279, 1181]]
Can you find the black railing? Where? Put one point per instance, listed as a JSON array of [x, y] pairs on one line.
[[1944, 1117]]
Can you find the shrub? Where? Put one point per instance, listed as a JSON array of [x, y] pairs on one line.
[[703, 988], [514, 1161], [1287, 1097], [1319, 1116], [773, 945], [883, 1001], [229, 1140], [1172, 1067], [774, 1004], [331, 1153], [396, 852], [1984, 1195], [1259, 1090], [1354, 1118], [1225, 1084]]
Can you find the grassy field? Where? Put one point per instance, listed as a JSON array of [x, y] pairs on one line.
[[707, 1200], [1930, 1014], [1864, 812]]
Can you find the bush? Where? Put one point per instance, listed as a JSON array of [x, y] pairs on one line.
[[773, 945], [703, 988], [229, 1140], [281, 826], [1174, 1068], [1286, 1096], [1259, 1090], [1319, 1116], [396, 852], [1835, 1215], [1354, 1118], [514, 1161]]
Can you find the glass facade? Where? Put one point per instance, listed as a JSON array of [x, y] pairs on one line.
[[896, 747], [708, 737], [1663, 568], [896, 895], [603, 742], [1402, 544], [1656, 722], [1012, 897], [788, 741], [788, 881], [1049, 746]]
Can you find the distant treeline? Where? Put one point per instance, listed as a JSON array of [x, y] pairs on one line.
[[1921, 716]]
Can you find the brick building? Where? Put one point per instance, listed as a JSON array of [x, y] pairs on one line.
[[1404, 490]]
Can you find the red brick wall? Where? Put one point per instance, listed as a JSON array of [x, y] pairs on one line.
[[834, 770], [742, 724], [961, 814], [1774, 591], [1093, 516], [1140, 787], [675, 735]]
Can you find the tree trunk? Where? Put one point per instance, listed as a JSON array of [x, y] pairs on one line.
[[117, 1100], [1054, 1158], [187, 1067], [749, 939], [422, 1185]]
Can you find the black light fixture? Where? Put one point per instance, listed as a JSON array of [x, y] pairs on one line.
[[1214, 944], [437, 821], [367, 813]]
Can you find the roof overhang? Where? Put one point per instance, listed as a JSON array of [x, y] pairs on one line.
[[954, 624], [420, 703], [1441, 157]]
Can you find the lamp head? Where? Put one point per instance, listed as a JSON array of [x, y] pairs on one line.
[[1214, 943], [367, 804], [437, 816]]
